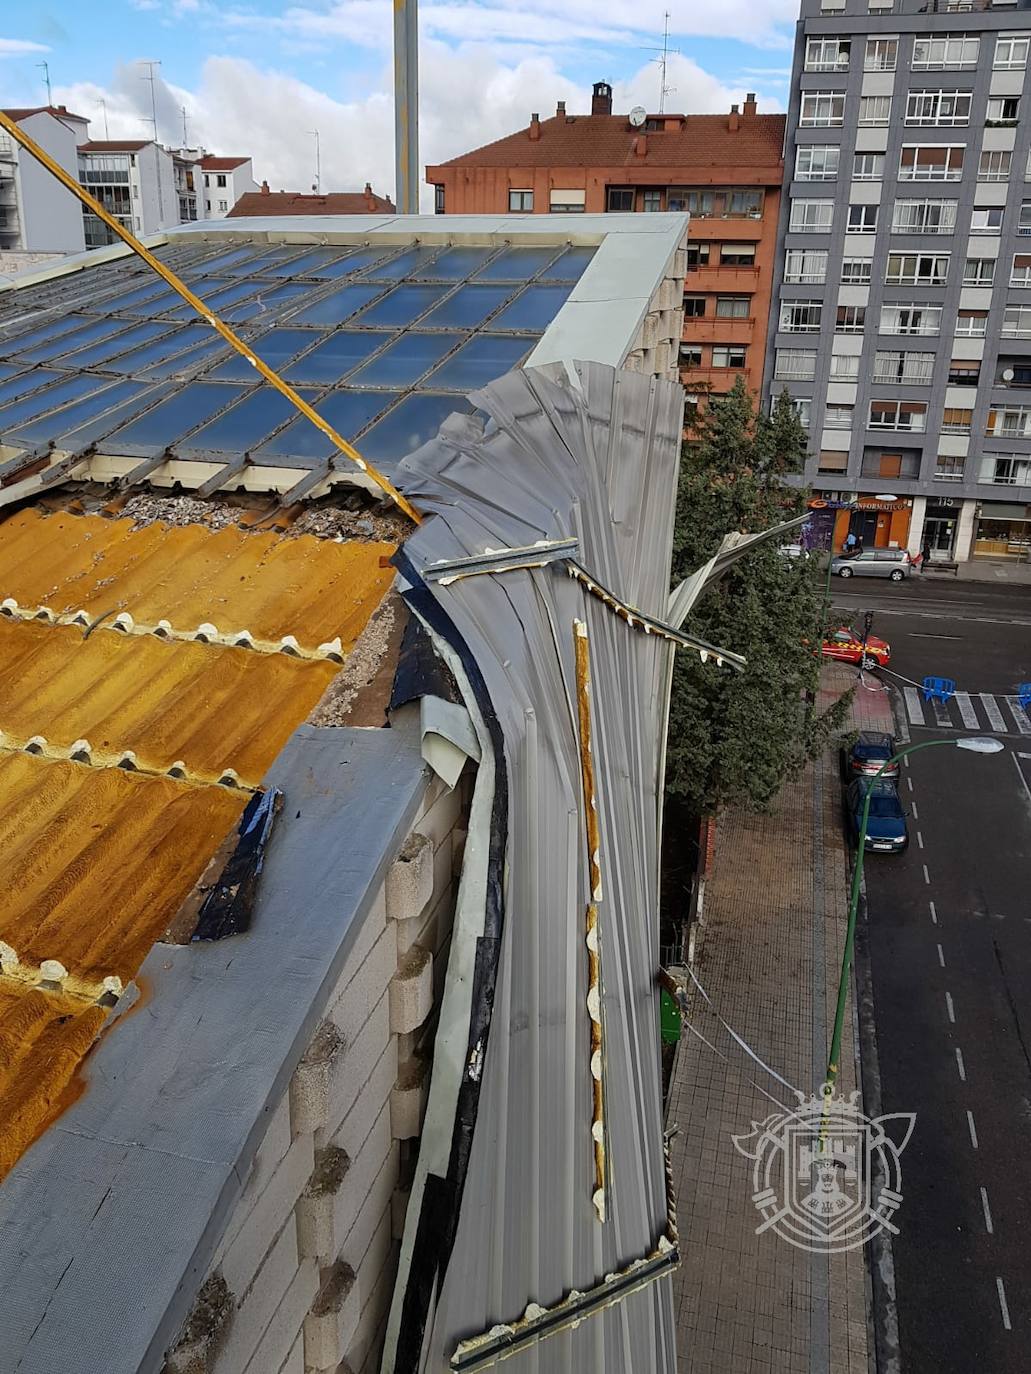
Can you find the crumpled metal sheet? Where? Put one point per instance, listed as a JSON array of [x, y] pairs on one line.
[[591, 453]]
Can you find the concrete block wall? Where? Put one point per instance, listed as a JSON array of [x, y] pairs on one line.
[[305, 1268], [656, 350]]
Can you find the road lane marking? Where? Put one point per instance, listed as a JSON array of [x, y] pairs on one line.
[[909, 783], [1002, 1305], [914, 709], [1023, 756], [987, 1212], [920, 838], [941, 956], [1020, 775], [905, 761], [934, 912], [916, 813], [1019, 715], [973, 1129], [960, 1065], [950, 1008], [927, 876], [941, 715], [966, 710], [924, 634], [992, 711]]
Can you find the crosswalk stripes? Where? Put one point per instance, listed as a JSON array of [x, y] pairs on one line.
[[914, 709], [1019, 715], [966, 710], [992, 711], [941, 715], [969, 707]]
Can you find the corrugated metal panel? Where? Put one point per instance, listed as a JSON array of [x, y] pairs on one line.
[[599, 463]]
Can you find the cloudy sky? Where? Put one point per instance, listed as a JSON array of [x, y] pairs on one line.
[[258, 78]]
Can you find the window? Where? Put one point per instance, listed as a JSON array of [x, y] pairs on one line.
[[207, 205], [838, 417], [802, 406], [822, 109], [676, 199], [956, 421], [844, 367], [220, 181], [694, 307], [931, 162], [938, 107], [737, 255], [697, 253], [827, 54], [917, 269], [652, 202], [1020, 273], [1018, 370], [1007, 472], [963, 372], [979, 272], [862, 219], [567, 202], [924, 217], [832, 462], [994, 166], [1016, 322], [1003, 109], [856, 271], [948, 468], [729, 355], [1024, 222], [804, 266], [702, 204], [620, 199], [811, 216], [850, 319], [1013, 421], [911, 319], [522, 201], [744, 202], [690, 355], [945, 54], [817, 162], [733, 307], [971, 324], [438, 199], [1011, 52], [207, 179], [223, 205], [903, 367], [881, 55], [868, 167], [907, 415], [800, 317], [795, 364], [874, 110], [987, 221]]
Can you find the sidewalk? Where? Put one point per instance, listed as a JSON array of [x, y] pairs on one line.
[[774, 925], [984, 570]]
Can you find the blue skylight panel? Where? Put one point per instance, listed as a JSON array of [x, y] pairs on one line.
[[168, 344], [570, 266], [347, 411], [91, 333], [68, 389], [467, 308], [48, 427], [517, 264], [402, 306], [340, 306], [244, 425], [268, 299], [409, 425], [171, 419], [122, 342], [483, 359], [332, 360], [534, 309], [276, 347], [405, 361], [455, 264], [354, 262]]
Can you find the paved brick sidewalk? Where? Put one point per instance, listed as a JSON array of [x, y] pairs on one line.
[[774, 923]]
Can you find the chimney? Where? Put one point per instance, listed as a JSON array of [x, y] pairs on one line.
[[601, 100], [370, 200], [750, 106], [560, 109], [535, 127], [264, 188], [640, 146], [734, 120]]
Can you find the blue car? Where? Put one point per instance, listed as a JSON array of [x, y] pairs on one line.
[[886, 829]]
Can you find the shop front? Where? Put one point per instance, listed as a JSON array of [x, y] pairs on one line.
[[876, 524], [1002, 530], [941, 523]]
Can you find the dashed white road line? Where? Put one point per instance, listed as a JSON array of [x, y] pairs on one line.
[[920, 838], [916, 813], [927, 876], [987, 1212], [1002, 1305], [934, 912], [972, 1128], [950, 1008], [960, 1065], [941, 956], [1020, 775], [909, 783]]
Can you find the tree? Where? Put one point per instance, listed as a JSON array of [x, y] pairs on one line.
[[734, 737]]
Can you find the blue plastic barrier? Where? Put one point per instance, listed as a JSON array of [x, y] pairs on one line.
[[939, 688], [1024, 694]]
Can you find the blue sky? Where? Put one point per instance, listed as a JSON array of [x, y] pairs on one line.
[[259, 77]]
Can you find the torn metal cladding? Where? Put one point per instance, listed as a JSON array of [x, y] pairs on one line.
[[583, 703], [537, 555], [49, 476], [638, 620]]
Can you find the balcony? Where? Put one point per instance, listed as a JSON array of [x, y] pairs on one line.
[[711, 378], [728, 280], [718, 330]]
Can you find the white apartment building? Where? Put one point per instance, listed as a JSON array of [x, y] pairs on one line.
[[37, 215], [225, 180]]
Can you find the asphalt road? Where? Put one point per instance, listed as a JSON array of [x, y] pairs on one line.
[[950, 955]]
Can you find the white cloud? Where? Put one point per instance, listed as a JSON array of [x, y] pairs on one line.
[[20, 47]]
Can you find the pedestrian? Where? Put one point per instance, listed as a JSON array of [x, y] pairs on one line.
[[850, 544], [925, 556]]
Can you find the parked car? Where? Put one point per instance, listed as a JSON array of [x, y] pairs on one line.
[[846, 646], [864, 756], [893, 563], [886, 829]]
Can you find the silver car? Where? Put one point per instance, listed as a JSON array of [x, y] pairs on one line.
[[891, 563]]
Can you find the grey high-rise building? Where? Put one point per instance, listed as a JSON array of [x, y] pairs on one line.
[[901, 319]]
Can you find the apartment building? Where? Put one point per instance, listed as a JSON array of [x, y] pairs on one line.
[[135, 181], [225, 180], [38, 217], [724, 170], [902, 317]]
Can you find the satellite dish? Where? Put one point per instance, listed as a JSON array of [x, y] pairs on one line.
[[1007, 374], [638, 115]]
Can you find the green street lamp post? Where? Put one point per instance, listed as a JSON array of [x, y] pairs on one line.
[[976, 745]]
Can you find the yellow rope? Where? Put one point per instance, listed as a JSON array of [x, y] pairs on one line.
[[232, 339]]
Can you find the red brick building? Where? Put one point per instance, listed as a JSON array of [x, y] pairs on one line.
[[725, 170], [266, 202]]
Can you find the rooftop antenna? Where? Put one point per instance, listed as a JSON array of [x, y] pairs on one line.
[[46, 81], [107, 131], [154, 120], [406, 106], [317, 188], [186, 139], [665, 53]]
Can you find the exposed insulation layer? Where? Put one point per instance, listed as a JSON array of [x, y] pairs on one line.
[[208, 706], [310, 588], [43, 1037], [98, 861]]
